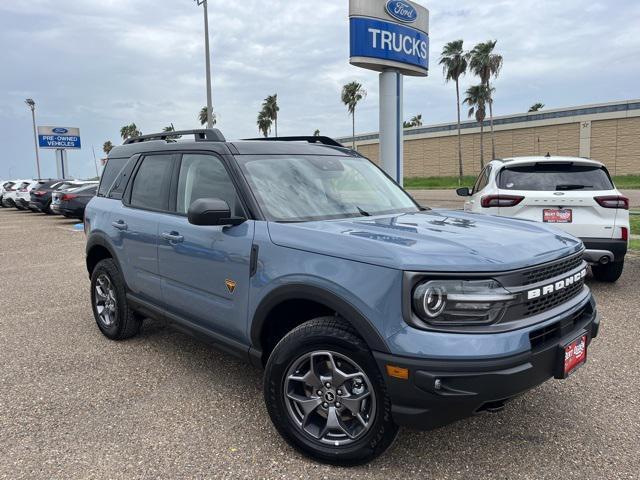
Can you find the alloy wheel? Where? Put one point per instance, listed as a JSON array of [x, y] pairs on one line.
[[105, 300]]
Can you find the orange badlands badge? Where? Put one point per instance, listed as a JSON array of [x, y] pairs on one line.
[[231, 285]]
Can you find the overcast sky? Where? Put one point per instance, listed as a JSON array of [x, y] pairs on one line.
[[99, 65]]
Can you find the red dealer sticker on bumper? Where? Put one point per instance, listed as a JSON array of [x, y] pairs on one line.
[[575, 355]]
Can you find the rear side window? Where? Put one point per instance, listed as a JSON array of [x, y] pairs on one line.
[[150, 189], [554, 177], [111, 170]]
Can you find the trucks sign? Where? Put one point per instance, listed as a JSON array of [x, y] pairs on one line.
[[389, 34], [59, 137]]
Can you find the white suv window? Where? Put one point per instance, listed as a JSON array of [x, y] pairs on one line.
[[553, 177]]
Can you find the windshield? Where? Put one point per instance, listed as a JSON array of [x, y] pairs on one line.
[[553, 177], [295, 188]]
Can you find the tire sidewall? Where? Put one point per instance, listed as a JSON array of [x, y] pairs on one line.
[[108, 268], [375, 441]]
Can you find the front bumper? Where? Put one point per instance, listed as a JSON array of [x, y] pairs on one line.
[[439, 392], [597, 248]]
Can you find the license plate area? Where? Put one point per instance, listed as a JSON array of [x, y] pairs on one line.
[[572, 355], [557, 215]]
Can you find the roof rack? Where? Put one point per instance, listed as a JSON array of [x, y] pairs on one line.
[[310, 139], [202, 135]]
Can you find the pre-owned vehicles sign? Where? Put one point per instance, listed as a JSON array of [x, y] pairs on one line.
[[59, 137]]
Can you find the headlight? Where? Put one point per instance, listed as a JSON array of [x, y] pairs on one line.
[[460, 302]]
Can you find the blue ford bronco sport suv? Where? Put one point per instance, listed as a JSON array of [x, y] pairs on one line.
[[365, 310]]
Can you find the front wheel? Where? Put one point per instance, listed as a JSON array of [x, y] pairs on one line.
[[326, 396], [610, 272]]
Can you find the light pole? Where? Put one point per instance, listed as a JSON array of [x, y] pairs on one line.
[[32, 106], [206, 47]]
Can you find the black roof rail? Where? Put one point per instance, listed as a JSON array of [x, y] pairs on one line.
[[310, 139], [202, 135]]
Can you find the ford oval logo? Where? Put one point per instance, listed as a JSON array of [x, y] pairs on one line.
[[60, 131], [403, 11]]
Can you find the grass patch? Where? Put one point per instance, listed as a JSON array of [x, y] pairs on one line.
[[627, 182], [430, 183], [634, 220], [634, 245]]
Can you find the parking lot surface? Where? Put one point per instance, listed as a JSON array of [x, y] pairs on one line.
[[163, 405]]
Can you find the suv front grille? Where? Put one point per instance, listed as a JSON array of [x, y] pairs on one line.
[[542, 304], [555, 331], [550, 271]]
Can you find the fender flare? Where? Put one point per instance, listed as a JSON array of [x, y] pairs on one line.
[[100, 239], [299, 291]]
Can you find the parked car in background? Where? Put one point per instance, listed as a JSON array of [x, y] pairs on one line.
[[72, 204], [41, 197], [5, 186], [575, 195], [23, 197], [9, 198], [56, 196]]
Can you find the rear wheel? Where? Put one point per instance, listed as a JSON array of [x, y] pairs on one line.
[[326, 396], [109, 301], [610, 272]]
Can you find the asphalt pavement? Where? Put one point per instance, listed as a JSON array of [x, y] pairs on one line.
[[163, 405]]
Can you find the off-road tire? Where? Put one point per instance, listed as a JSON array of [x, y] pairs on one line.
[[328, 334], [126, 323]]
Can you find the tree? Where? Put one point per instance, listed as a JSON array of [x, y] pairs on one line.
[[270, 108], [454, 63], [486, 64], [536, 107], [107, 147], [171, 128], [352, 94], [202, 116], [406, 124], [264, 124], [416, 120], [130, 131], [316, 133], [477, 97]]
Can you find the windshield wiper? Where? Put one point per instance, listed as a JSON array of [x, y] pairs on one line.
[[570, 186], [362, 212]]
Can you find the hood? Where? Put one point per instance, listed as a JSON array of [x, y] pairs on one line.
[[435, 240]]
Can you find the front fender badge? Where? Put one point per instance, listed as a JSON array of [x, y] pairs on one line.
[[231, 285]]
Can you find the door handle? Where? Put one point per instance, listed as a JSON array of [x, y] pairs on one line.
[[173, 237], [120, 225]]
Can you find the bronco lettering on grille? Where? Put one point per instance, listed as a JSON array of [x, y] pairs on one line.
[[554, 287]]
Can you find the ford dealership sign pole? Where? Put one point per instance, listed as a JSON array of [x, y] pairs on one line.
[[390, 37], [60, 139]]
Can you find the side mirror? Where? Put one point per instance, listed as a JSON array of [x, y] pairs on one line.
[[212, 212], [463, 192]]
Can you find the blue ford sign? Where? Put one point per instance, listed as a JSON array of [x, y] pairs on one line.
[[389, 34], [391, 42], [59, 138], [402, 11]]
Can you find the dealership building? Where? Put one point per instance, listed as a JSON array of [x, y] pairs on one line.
[[608, 132]]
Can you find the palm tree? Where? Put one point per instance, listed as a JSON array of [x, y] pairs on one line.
[[406, 124], [264, 123], [171, 128], [107, 147], [352, 93], [486, 64], [454, 63], [316, 133], [477, 97], [202, 116], [536, 107], [130, 131], [270, 108], [416, 120]]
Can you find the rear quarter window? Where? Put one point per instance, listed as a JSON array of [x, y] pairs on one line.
[[555, 177], [110, 173]]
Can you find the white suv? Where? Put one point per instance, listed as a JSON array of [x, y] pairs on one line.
[[575, 194]]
